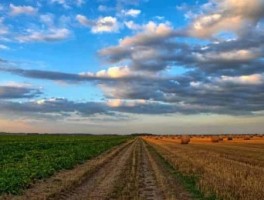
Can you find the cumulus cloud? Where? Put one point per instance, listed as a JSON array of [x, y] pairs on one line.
[[190, 93], [227, 16], [83, 20], [100, 25], [105, 24], [114, 72], [193, 92], [19, 10], [131, 12], [145, 49], [221, 75]]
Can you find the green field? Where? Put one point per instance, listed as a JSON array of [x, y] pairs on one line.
[[26, 158]]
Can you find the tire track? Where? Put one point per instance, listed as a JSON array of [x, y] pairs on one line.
[[148, 185]]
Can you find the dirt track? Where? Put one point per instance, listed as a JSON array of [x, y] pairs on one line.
[[132, 174], [130, 171]]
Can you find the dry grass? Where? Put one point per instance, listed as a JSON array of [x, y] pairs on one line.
[[230, 169]]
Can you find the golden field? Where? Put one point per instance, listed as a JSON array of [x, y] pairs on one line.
[[228, 169]]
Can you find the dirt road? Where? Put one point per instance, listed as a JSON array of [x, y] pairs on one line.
[[133, 174], [131, 171]]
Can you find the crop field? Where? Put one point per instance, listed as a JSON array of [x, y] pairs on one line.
[[24, 159], [228, 169], [143, 167]]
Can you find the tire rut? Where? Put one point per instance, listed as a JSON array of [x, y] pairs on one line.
[[148, 186]]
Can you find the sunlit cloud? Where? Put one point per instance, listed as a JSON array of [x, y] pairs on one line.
[[100, 25]]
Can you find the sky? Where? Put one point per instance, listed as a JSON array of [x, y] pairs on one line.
[[118, 66]]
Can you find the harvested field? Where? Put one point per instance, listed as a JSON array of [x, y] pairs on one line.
[[229, 169]]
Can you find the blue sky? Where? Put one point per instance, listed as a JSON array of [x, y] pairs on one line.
[[131, 66]]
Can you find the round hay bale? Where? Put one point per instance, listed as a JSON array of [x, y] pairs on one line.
[[214, 139], [185, 139], [247, 137], [229, 138], [220, 138]]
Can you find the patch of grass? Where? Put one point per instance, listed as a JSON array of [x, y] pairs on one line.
[[188, 181]]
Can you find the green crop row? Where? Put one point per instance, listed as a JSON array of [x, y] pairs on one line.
[[24, 159]]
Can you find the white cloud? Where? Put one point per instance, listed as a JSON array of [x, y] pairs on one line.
[[131, 12], [106, 24], [111, 72], [102, 24], [151, 29], [83, 20], [19, 10], [50, 36], [114, 72]]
